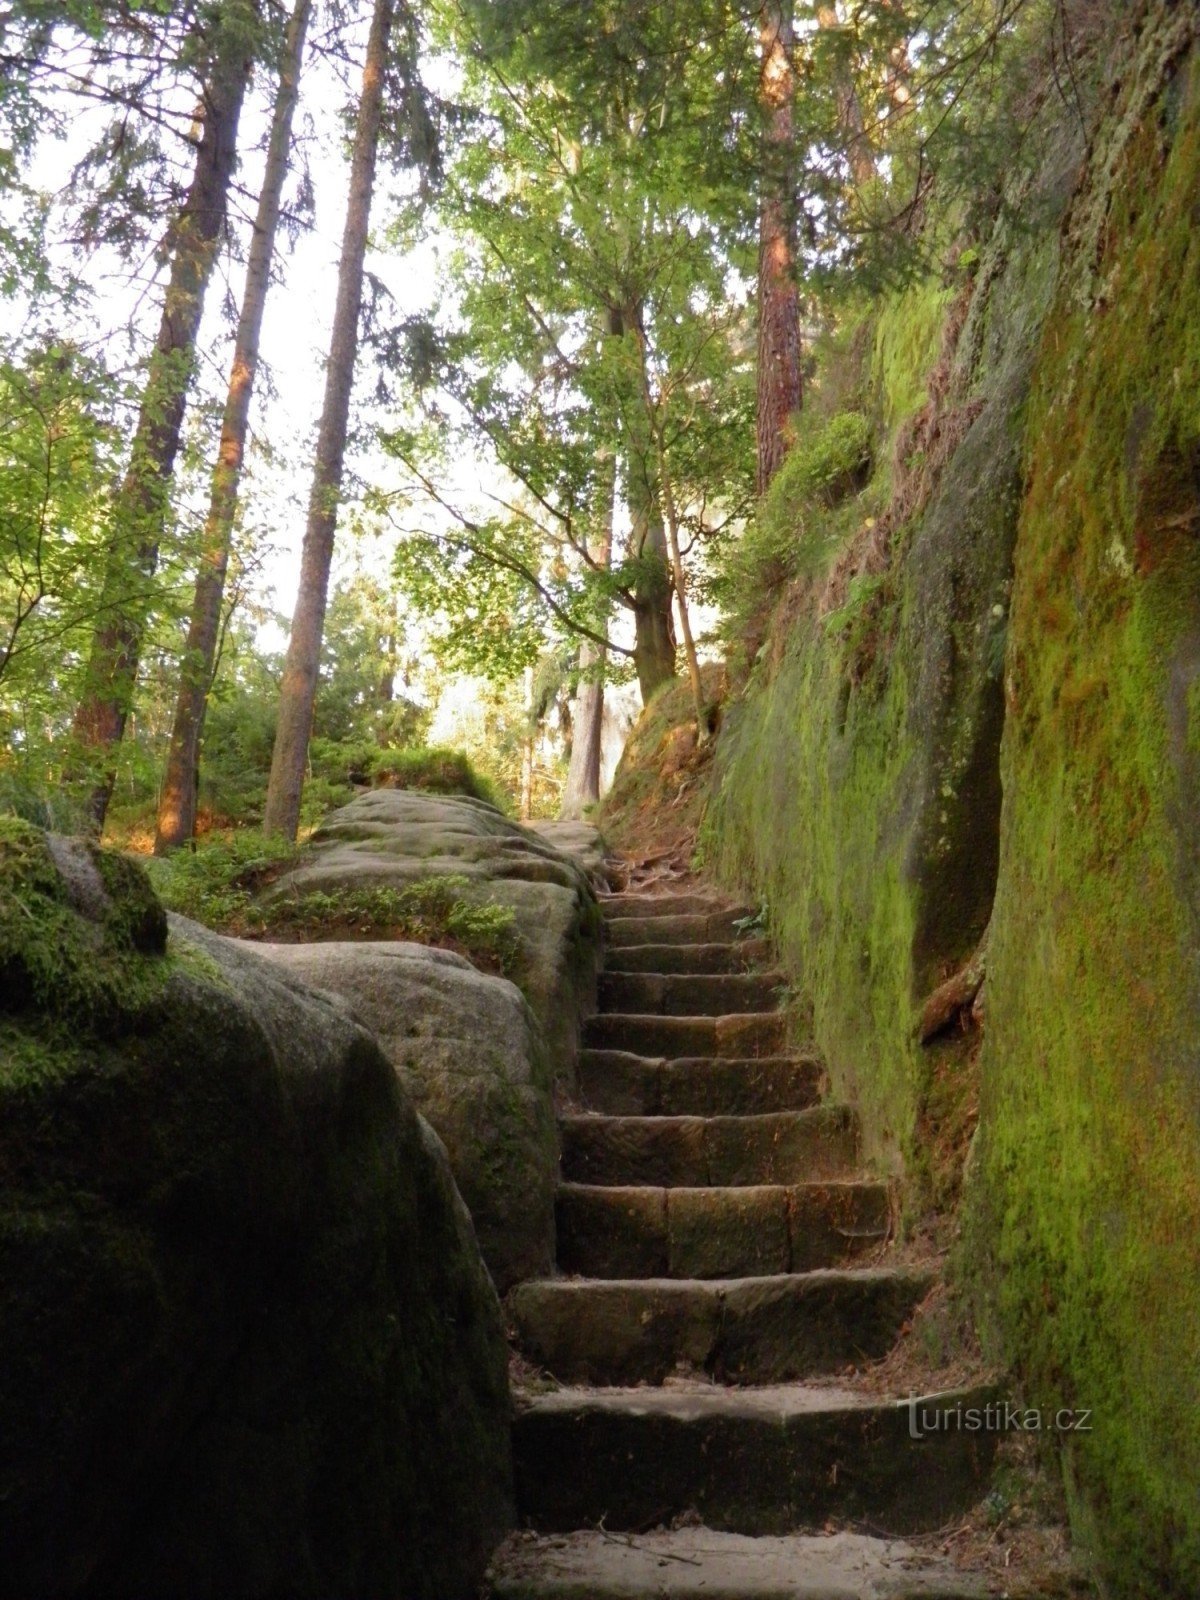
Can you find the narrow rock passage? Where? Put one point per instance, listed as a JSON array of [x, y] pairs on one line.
[[710, 1215]]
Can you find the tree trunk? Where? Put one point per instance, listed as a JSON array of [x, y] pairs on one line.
[[582, 787], [677, 576], [779, 374], [177, 802], [141, 507], [654, 635], [849, 107], [527, 750], [299, 687]]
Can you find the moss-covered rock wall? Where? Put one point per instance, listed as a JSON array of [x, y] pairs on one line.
[[1086, 1204], [977, 717]]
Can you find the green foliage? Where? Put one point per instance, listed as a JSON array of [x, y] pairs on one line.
[[435, 911], [57, 446], [794, 530], [435, 771], [221, 883], [217, 881]]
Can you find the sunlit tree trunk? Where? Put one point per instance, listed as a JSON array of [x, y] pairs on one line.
[[582, 787], [678, 579], [141, 508], [779, 354], [654, 634], [177, 802], [298, 691]]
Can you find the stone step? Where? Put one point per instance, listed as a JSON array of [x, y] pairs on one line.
[[653, 1086], [754, 1461], [678, 903], [685, 927], [629, 1232], [689, 994], [734, 1330], [755, 1033], [741, 955], [703, 1564], [779, 1147]]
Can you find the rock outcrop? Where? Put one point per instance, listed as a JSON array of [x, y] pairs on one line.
[[249, 1345], [392, 837], [470, 1055]]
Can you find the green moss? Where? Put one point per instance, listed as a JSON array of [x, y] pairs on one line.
[[908, 336], [85, 970], [1087, 1206]]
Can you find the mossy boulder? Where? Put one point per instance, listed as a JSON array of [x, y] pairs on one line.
[[392, 837], [470, 1055], [249, 1345]]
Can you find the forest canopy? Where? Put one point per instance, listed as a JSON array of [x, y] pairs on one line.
[[372, 374]]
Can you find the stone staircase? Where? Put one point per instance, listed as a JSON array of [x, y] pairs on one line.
[[710, 1217]]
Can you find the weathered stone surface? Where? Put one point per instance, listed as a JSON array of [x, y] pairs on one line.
[[685, 927], [695, 1152], [470, 1054], [754, 1461], [646, 1232], [716, 1233], [690, 994], [756, 1034], [700, 902], [750, 1330], [396, 836], [623, 1084], [740, 955], [616, 1232], [249, 1346], [701, 1564], [580, 842]]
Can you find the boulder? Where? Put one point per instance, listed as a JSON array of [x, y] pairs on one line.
[[397, 836], [470, 1055], [580, 841], [249, 1345]]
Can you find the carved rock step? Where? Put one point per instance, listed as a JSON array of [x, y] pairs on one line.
[[702, 1564], [689, 994], [628, 1232], [756, 1461], [683, 904], [755, 1034], [685, 927], [735, 1330], [652, 1086], [741, 955], [781, 1147]]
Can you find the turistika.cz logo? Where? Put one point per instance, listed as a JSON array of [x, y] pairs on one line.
[[998, 1416]]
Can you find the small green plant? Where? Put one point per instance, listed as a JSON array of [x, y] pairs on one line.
[[216, 882], [220, 883], [431, 911]]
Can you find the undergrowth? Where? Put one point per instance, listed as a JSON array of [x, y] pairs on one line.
[[220, 884]]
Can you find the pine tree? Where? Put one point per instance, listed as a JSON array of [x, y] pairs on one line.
[[298, 691], [177, 801], [142, 504]]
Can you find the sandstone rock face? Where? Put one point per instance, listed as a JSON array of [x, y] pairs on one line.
[[470, 1054], [580, 841], [249, 1345], [396, 836]]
